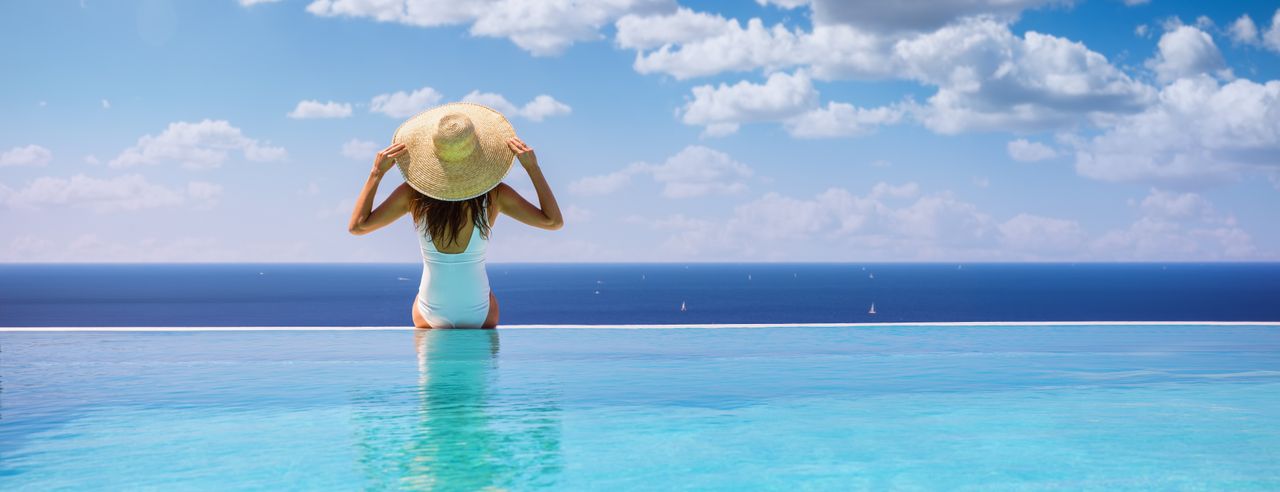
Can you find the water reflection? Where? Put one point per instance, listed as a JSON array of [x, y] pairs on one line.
[[460, 428]]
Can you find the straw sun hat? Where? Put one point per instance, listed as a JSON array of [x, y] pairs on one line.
[[455, 151]]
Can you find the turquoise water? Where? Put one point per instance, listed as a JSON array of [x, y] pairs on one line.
[[908, 408]]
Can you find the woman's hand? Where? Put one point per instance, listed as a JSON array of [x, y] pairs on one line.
[[387, 158], [524, 152]]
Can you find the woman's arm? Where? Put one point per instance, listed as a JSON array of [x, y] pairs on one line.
[[547, 214], [363, 220]]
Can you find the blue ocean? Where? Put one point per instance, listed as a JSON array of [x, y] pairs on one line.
[[380, 294]]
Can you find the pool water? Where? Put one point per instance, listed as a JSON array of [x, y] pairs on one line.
[[1110, 407]]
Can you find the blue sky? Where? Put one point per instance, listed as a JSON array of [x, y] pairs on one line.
[[793, 130]]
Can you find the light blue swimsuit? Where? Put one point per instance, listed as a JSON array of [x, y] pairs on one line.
[[454, 292]]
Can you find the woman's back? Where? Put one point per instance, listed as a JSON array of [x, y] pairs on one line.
[[454, 291]]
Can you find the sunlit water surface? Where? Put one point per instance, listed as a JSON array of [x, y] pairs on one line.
[[982, 408]]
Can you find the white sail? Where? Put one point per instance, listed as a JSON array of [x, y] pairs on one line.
[[873, 309]]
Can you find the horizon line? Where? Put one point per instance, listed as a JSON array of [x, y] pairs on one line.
[[833, 262], [56, 329]]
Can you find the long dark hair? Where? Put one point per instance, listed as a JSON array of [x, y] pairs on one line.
[[444, 219]]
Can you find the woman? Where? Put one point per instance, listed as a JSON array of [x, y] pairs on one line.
[[453, 159]]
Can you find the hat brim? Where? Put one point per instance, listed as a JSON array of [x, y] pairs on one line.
[[460, 179]]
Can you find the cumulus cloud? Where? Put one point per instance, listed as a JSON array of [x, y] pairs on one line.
[[1200, 132], [1028, 232], [990, 79], [1244, 31], [401, 104], [200, 145], [987, 78], [903, 222], [1026, 151], [540, 27], [357, 149], [1187, 51], [122, 193], [780, 97], [842, 120], [537, 109], [692, 172], [30, 155], [915, 16], [668, 44], [1177, 226], [888, 221], [317, 109]]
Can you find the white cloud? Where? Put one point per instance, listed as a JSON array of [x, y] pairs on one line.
[[1271, 39], [780, 97], [357, 149], [692, 172], [317, 109], [605, 184], [1133, 3], [199, 145], [540, 27], [1025, 151], [682, 26], [541, 107], [544, 106], [1244, 31], [1028, 232], [1186, 51], [786, 4], [841, 120], [901, 222], [1177, 226], [121, 193], [1200, 132], [1168, 204], [915, 16], [402, 104], [106, 104], [250, 3], [990, 79], [140, 248], [30, 155], [987, 77], [889, 222]]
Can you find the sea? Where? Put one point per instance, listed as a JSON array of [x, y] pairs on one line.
[[142, 295]]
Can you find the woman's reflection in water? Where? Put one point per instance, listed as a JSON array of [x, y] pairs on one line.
[[469, 432]]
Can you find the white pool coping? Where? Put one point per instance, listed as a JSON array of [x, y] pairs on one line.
[[646, 326]]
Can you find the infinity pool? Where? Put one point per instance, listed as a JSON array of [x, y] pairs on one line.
[[833, 408]]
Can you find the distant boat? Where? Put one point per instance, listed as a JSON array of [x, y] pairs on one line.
[[959, 267], [683, 308], [748, 276], [873, 309], [871, 275], [641, 276], [597, 292]]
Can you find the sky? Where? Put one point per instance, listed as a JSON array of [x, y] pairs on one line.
[[767, 130]]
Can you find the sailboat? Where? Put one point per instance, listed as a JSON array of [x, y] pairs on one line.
[[682, 307], [873, 309], [871, 275]]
